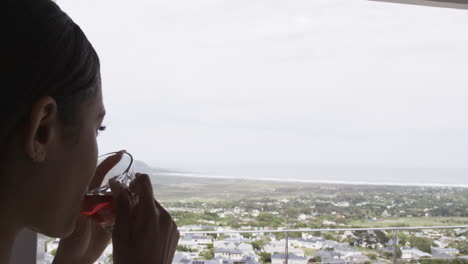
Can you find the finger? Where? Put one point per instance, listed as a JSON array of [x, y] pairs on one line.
[[147, 215], [145, 191], [132, 186], [172, 240], [122, 211], [165, 216], [170, 227], [172, 245], [104, 168]]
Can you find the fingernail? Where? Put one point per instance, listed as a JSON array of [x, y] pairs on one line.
[[115, 187]]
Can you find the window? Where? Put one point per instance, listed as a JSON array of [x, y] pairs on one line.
[[304, 95]]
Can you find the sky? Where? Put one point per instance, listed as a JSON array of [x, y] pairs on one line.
[[324, 83]]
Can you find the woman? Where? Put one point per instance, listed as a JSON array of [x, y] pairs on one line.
[[52, 111]]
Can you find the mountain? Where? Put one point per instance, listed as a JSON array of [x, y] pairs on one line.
[[142, 167]]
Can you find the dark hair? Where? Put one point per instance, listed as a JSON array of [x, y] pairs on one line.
[[42, 53]]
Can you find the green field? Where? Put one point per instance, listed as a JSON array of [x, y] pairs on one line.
[[318, 201], [411, 221]]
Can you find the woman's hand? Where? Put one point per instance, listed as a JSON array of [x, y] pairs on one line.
[[145, 233], [88, 240]]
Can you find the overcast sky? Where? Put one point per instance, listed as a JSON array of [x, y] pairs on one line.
[[328, 83]]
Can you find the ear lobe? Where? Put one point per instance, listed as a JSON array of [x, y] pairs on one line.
[[40, 128]]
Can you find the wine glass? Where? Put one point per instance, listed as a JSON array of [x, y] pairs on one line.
[[98, 204]]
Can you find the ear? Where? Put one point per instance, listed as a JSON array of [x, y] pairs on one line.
[[41, 128]]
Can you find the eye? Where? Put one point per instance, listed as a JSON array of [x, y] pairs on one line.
[[100, 129]]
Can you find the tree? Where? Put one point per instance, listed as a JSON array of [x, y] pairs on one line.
[[265, 257], [403, 238], [268, 219], [290, 235], [422, 243], [110, 258], [329, 236], [183, 248], [247, 235], [209, 254], [443, 261], [381, 237], [462, 246], [389, 255], [257, 245]]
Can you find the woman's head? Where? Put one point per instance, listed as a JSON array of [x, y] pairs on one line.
[[51, 111]]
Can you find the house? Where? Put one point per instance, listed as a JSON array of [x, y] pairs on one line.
[[386, 251], [229, 244], [460, 232], [230, 233], [278, 247], [413, 253], [296, 251], [244, 260], [292, 259], [386, 214], [197, 242], [329, 244], [194, 255], [337, 255], [359, 258], [181, 258], [307, 243], [237, 239], [192, 245], [246, 249], [187, 260], [443, 242], [323, 254], [196, 227], [442, 256], [333, 261], [447, 251], [390, 242], [229, 254], [201, 240], [346, 252], [434, 235], [235, 244], [341, 204], [302, 217]]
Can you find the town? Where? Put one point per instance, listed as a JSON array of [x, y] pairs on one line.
[[229, 246], [231, 224]]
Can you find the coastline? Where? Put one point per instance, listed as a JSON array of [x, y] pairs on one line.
[[293, 180]]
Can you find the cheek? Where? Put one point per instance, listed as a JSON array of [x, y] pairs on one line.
[[86, 152], [91, 159]]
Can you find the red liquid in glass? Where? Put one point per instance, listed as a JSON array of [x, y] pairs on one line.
[[100, 207]]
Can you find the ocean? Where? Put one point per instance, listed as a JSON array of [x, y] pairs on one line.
[[457, 177]]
